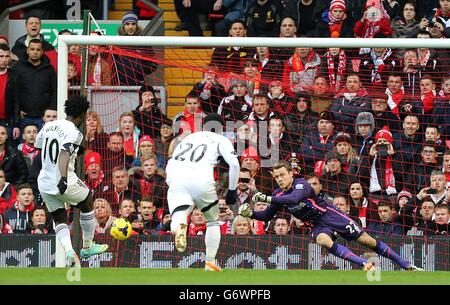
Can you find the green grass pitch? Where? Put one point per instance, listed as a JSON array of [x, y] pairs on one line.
[[125, 276]]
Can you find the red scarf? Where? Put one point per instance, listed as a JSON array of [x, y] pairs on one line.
[[396, 98], [318, 168], [428, 101], [262, 63], [335, 30], [28, 208], [258, 227], [197, 230], [297, 64], [225, 227], [93, 184], [362, 212], [440, 13], [128, 146], [336, 80], [389, 179], [323, 140], [424, 60], [29, 151], [193, 120], [146, 187], [282, 107], [370, 29], [2, 155], [360, 93]]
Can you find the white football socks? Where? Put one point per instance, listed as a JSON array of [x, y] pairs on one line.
[[212, 240], [87, 223], [63, 235]]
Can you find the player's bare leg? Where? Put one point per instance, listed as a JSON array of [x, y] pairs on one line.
[[343, 252], [212, 238], [384, 250], [87, 223]]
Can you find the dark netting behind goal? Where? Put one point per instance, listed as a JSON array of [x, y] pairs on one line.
[[368, 128]]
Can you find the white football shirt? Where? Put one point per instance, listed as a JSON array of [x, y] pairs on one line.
[[198, 154], [52, 138]]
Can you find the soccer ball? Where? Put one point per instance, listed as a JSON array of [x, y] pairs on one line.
[[120, 229]]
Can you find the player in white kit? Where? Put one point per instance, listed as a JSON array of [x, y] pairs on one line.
[[59, 142], [190, 176]]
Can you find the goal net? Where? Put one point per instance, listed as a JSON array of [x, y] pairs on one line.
[[366, 121]]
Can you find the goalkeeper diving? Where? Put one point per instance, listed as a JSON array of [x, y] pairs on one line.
[[298, 197]]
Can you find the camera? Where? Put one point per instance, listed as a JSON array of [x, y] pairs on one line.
[[223, 209], [431, 191], [382, 150], [244, 180], [431, 22], [373, 13]]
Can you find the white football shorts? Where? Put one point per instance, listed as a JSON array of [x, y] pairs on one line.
[[76, 192]]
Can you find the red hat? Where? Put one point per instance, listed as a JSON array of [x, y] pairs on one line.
[[146, 138], [5, 38], [385, 134], [276, 83], [404, 193], [251, 153], [338, 4], [92, 158]]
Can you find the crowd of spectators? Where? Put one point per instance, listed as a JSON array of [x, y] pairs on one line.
[[368, 128]]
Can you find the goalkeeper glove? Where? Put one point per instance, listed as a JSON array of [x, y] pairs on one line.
[[245, 210], [260, 197], [231, 197]]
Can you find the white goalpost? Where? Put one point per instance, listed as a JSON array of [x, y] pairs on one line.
[[174, 41]]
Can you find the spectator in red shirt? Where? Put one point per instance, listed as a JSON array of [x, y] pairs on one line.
[[375, 20], [260, 227], [150, 183], [197, 225], [192, 114], [94, 176], [8, 194]]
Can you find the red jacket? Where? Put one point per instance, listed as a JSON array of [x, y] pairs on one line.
[[382, 26]]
